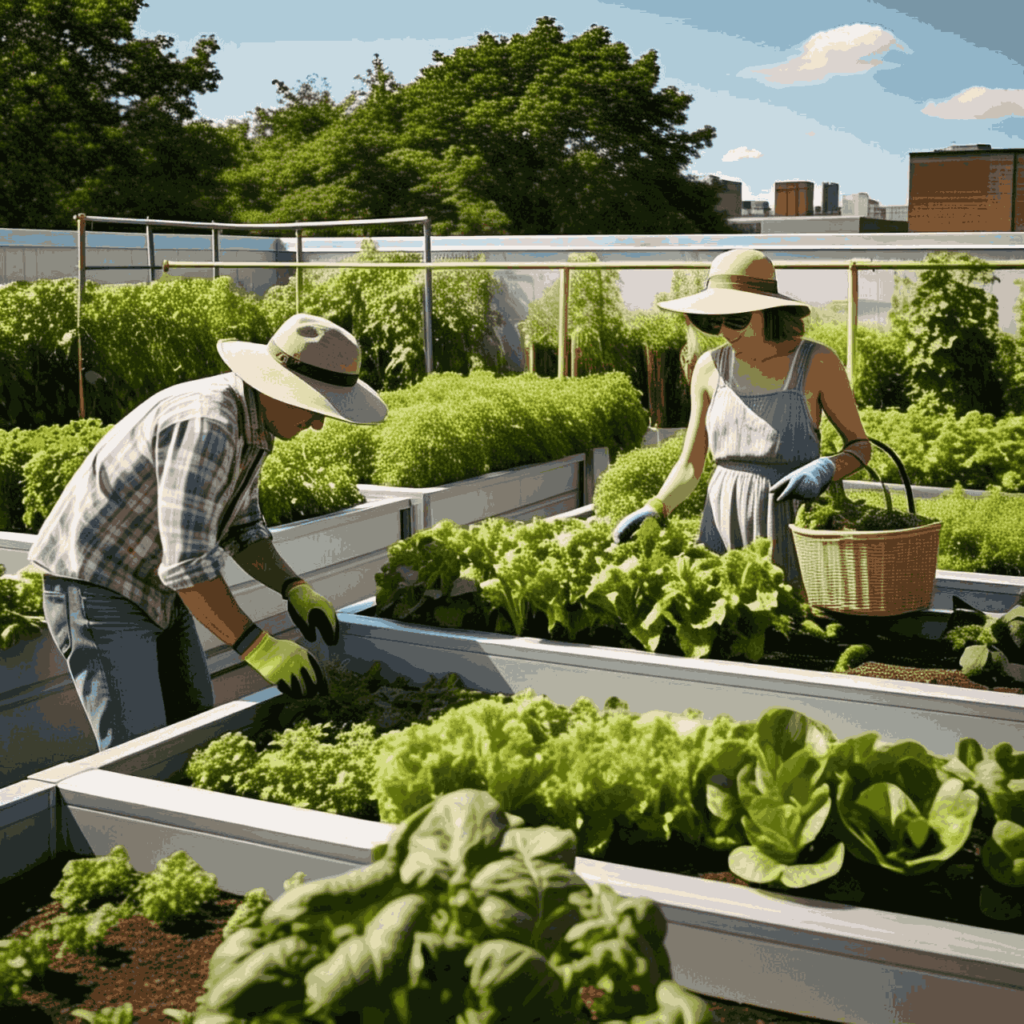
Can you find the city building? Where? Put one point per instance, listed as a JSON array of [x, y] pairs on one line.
[[755, 208], [794, 198], [729, 196], [967, 188], [830, 198], [860, 204], [895, 212]]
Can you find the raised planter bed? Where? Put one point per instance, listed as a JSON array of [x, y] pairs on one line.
[[41, 719], [935, 716], [814, 958], [544, 489]]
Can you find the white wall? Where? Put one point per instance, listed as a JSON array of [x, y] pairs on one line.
[[30, 255]]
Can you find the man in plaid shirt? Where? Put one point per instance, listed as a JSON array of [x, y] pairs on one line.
[[132, 552]]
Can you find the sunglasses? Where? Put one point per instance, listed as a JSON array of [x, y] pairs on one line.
[[713, 324]]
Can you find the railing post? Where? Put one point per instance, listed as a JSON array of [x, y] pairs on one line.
[[428, 302], [563, 318], [81, 297], [150, 252], [851, 321], [215, 241], [298, 270]]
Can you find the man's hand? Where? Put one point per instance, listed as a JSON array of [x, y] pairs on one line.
[[286, 665], [311, 611]]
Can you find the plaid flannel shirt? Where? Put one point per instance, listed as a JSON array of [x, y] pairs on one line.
[[164, 497]]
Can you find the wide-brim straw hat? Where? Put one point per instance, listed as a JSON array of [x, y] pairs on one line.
[[311, 363], [739, 281]]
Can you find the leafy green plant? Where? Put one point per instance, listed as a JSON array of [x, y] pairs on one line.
[[21, 606], [786, 800], [95, 878], [463, 912], [62, 445], [500, 576], [637, 475], [248, 913], [897, 807], [21, 960], [304, 478], [175, 889], [39, 384], [948, 323], [123, 1014], [854, 655]]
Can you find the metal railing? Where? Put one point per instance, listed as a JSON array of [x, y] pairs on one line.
[[853, 267], [215, 264]]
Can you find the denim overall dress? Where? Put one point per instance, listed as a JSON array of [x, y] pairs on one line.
[[756, 438]]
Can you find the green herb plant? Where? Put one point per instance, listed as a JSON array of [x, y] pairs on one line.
[[464, 913], [21, 606]]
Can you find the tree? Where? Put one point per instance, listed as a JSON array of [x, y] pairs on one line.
[[316, 159], [949, 326], [572, 135], [533, 134], [90, 115]]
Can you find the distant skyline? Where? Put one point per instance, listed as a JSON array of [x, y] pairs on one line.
[[801, 92]]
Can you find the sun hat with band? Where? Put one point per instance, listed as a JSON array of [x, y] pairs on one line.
[[739, 281], [311, 363]]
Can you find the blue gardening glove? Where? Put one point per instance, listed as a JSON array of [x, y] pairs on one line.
[[808, 482], [311, 611], [626, 527]]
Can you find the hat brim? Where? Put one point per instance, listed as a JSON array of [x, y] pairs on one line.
[[254, 364], [726, 301]]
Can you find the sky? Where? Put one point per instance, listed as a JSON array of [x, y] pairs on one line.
[[799, 90]]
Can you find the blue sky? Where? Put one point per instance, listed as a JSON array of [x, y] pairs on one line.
[[801, 90]]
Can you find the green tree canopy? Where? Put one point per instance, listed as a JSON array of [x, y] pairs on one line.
[[92, 117], [949, 327], [530, 134], [573, 136]]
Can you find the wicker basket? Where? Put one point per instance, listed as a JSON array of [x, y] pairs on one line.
[[883, 572]]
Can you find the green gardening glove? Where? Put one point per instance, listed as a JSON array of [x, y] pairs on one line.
[[286, 665], [311, 611]]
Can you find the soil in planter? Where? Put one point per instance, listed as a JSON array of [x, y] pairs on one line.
[[154, 968], [157, 968]]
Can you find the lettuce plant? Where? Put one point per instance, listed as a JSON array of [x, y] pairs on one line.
[[464, 914], [786, 799], [898, 807]]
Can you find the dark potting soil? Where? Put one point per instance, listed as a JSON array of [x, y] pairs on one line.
[[152, 967]]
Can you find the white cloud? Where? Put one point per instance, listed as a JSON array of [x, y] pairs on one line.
[[741, 153], [846, 50], [979, 103]]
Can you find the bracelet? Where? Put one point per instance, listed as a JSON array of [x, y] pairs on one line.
[[247, 639], [288, 582]]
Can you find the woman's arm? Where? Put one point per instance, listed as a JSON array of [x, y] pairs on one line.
[[840, 406], [685, 475]]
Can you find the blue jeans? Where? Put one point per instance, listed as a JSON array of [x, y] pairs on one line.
[[131, 676]]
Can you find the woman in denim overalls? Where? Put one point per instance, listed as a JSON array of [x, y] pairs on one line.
[[756, 402]]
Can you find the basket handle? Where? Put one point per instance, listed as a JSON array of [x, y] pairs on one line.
[[899, 466]]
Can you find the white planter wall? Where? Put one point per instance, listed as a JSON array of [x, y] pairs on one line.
[[545, 489], [935, 716], [41, 718], [791, 954]]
